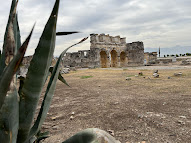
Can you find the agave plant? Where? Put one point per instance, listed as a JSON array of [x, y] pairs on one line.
[[18, 105]]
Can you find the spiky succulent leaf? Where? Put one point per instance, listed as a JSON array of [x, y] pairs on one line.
[[9, 118], [81, 137], [60, 77], [17, 33], [92, 135], [41, 136], [65, 33], [9, 41], [49, 93], [36, 76], [11, 69]]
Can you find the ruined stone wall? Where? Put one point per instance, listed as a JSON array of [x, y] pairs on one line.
[[27, 60], [23, 69], [107, 51], [135, 53], [150, 58], [112, 46], [84, 59], [108, 43]]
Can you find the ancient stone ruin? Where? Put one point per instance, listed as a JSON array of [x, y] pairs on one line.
[[150, 58], [107, 51]]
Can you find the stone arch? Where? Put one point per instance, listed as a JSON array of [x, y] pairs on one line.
[[123, 59], [103, 59], [114, 58]]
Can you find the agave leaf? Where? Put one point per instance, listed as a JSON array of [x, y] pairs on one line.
[[17, 36], [49, 93], [9, 41], [11, 69], [36, 76], [41, 136], [60, 77], [65, 33], [32, 140], [9, 118], [92, 135], [85, 136], [17, 33]]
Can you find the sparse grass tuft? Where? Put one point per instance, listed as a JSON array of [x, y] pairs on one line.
[[125, 69], [84, 77], [130, 75]]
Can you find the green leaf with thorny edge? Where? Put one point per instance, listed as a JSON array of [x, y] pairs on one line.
[[11, 69], [37, 75], [49, 93]]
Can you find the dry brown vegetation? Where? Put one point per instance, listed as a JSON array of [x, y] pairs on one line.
[[141, 109]]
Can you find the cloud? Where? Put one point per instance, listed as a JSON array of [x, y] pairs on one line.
[[156, 23]]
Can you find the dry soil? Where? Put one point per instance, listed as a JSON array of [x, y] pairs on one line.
[[155, 110]]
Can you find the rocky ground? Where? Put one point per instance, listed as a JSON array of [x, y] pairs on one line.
[[142, 108]]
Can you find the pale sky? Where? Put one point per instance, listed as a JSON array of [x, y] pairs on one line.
[[164, 23]]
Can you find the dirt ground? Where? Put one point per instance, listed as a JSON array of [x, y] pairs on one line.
[[154, 110]]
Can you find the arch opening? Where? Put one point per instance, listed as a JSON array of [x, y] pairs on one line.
[[103, 59], [113, 58], [123, 59]]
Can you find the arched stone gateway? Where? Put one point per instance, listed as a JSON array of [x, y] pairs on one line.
[[113, 58], [107, 51], [103, 59], [123, 59]]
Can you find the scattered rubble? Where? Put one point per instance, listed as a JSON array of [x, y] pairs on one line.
[[128, 78], [181, 122], [54, 118], [65, 70], [55, 127], [71, 117], [184, 117], [186, 62], [140, 74], [111, 132], [178, 74], [156, 75], [156, 71]]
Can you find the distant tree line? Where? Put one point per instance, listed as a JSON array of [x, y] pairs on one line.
[[180, 55]]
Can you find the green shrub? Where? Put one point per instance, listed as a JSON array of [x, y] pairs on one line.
[[188, 54]]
